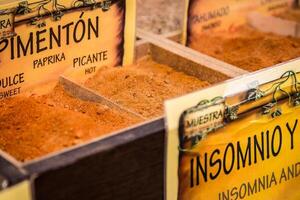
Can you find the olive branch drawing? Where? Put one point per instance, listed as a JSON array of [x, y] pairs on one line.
[[272, 107], [57, 11], [104, 5], [40, 6]]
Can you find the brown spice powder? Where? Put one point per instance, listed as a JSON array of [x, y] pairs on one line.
[[144, 86], [34, 126], [248, 48]]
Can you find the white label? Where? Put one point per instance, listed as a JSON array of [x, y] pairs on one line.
[[199, 119]]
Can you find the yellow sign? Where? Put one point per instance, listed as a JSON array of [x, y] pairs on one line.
[[256, 156], [64, 37], [18, 192]]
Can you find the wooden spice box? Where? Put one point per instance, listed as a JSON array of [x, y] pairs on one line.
[[241, 37], [11, 172], [128, 164], [177, 37]]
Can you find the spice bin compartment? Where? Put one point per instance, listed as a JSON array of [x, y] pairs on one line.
[[113, 166], [240, 35]]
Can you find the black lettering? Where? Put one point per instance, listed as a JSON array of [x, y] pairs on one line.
[[56, 37], [3, 45], [292, 131], [91, 28], [243, 191], [201, 169], [40, 40], [25, 49], [259, 148], [216, 162], [276, 130], [244, 157], [78, 30], [192, 173], [229, 146], [268, 144], [67, 27]]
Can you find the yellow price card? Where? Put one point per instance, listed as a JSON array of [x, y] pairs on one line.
[[237, 140], [63, 37]]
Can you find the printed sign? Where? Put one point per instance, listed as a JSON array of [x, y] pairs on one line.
[[200, 119], [225, 15], [66, 37], [19, 191], [252, 147]]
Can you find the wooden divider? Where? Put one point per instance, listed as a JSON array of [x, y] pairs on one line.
[[195, 56], [128, 164]]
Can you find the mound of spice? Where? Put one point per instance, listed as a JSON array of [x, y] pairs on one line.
[[247, 48], [144, 86], [291, 14], [34, 126]]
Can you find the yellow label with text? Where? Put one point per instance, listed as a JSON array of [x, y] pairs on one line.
[[17, 192], [76, 45], [254, 157]]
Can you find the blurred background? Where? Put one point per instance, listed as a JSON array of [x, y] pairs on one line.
[[160, 16]]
